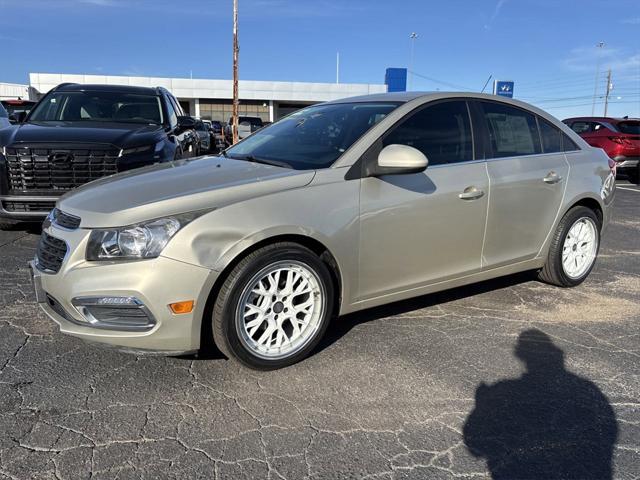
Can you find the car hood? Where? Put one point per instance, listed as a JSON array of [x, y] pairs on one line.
[[176, 187], [120, 135]]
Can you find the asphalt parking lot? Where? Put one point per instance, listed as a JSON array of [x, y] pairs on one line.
[[429, 388]]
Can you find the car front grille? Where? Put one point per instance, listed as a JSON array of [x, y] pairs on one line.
[[65, 220], [50, 253], [46, 168], [28, 206]]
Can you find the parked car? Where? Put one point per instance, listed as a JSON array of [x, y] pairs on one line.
[[17, 109], [79, 133], [4, 117], [618, 137], [336, 208], [246, 126], [204, 136]]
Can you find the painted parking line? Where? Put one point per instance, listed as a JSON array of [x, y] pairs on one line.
[[637, 190]]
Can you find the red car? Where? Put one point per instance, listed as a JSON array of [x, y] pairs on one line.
[[17, 109], [618, 137]]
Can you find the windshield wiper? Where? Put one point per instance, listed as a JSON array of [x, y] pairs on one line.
[[265, 161]]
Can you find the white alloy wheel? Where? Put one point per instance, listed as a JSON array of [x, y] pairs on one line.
[[280, 310], [580, 248]]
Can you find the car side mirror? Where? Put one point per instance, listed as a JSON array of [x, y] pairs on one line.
[[186, 122], [400, 159], [19, 118]]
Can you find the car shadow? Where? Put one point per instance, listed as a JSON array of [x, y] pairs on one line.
[[343, 325], [548, 423]]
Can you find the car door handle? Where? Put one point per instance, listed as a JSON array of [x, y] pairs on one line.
[[471, 193], [552, 177]]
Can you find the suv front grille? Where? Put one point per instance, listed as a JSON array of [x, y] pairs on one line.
[[50, 253], [28, 206], [47, 168]]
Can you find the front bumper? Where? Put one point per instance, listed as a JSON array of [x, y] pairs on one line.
[[155, 283], [26, 207]]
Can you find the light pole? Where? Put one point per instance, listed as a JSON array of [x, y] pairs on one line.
[[599, 46], [413, 38], [234, 113]]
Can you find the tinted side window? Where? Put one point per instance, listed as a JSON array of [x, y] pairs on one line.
[[512, 131], [581, 127], [176, 106], [173, 119], [551, 137], [441, 131]]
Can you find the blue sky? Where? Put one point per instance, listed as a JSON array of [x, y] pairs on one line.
[[546, 46]]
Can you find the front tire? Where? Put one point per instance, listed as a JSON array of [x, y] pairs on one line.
[[574, 248], [274, 307]]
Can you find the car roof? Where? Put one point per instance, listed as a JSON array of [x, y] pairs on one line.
[[77, 87], [405, 97], [18, 101], [600, 119]]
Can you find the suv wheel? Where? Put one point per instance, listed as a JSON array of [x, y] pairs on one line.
[[574, 248], [274, 307], [634, 175]]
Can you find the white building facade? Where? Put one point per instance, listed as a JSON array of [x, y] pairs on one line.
[[212, 99]]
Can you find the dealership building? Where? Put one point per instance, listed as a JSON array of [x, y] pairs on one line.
[[211, 99]]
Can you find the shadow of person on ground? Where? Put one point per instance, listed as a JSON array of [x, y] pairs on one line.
[[547, 424]]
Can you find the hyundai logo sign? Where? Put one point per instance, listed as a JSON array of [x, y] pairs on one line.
[[503, 88]]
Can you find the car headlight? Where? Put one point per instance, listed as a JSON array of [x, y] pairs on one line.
[[140, 241], [145, 149]]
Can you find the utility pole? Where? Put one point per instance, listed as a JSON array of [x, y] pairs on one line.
[[606, 95], [600, 46], [413, 38], [234, 114]]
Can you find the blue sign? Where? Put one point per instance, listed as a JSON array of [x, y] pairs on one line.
[[503, 88], [396, 79]]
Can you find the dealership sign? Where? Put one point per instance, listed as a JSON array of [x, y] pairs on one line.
[[503, 88]]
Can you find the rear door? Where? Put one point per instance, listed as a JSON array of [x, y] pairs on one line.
[[527, 179]]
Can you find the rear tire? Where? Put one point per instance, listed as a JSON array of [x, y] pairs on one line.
[[634, 176], [574, 248], [274, 307]]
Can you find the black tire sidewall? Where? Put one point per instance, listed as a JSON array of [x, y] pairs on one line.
[[239, 280], [567, 222]]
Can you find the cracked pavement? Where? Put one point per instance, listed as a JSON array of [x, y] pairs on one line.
[[408, 390]]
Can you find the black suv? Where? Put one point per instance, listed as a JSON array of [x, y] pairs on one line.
[[79, 133]]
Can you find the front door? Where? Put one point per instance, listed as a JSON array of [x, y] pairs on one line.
[[422, 228]]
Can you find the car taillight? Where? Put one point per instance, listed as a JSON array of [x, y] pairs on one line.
[[621, 140]]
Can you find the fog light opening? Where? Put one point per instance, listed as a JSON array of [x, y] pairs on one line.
[[179, 308]]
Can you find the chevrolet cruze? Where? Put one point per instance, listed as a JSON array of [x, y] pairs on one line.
[[336, 208]]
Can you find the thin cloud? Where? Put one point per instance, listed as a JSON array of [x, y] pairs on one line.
[[495, 14], [584, 59], [631, 21]]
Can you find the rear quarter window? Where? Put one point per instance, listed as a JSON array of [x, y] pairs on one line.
[[551, 137]]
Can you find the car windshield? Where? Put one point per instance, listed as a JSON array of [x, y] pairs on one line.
[[313, 137], [630, 127], [98, 107]]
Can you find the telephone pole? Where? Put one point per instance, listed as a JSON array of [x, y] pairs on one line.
[[234, 114], [606, 95]]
